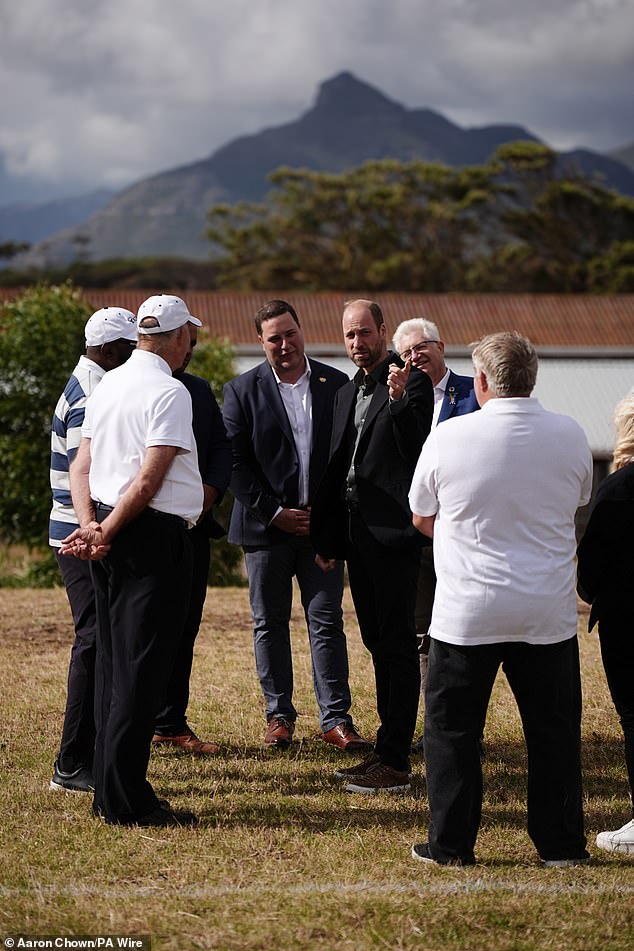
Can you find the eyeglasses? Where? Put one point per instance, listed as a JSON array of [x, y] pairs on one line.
[[417, 348]]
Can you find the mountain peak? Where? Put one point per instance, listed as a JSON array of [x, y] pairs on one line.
[[345, 93]]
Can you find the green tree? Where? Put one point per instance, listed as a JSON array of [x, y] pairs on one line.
[[41, 338], [383, 225], [554, 223], [613, 271], [518, 223]]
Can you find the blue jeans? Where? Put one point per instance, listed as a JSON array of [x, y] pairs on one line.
[[270, 572]]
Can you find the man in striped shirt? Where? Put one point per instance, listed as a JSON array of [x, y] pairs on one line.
[[110, 339]]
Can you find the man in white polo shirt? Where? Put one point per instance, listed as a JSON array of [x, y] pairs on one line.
[[504, 550], [136, 490]]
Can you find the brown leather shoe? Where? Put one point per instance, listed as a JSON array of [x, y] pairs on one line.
[[279, 732], [188, 743], [346, 738]]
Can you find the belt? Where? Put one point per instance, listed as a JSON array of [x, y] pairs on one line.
[[102, 509]]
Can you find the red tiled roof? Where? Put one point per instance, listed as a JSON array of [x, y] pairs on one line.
[[549, 320]]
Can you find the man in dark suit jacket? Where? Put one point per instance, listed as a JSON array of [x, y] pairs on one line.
[[361, 512], [279, 417], [418, 340], [214, 462]]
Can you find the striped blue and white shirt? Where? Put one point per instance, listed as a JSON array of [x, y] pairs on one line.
[[65, 438]]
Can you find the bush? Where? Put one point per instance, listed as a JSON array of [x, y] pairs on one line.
[[41, 339]]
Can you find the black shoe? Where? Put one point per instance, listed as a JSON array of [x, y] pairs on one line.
[[422, 853], [418, 746], [166, 817], [97, 811], [79, 781]]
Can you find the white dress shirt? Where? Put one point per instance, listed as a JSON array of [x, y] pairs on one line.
[[298, 403], [439, 395]]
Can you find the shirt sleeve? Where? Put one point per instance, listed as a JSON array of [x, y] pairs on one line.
[[423, 493], [170, 423]]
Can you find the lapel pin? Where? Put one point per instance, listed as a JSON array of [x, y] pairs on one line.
[[322, 379]]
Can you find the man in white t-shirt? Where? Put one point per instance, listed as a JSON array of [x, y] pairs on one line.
[[501, 514], [136, 489]]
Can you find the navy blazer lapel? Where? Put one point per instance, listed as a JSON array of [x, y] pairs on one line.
[[318, 391], [450, 399], [271, 393]]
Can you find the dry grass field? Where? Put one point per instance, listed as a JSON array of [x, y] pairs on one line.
[[283, 859]]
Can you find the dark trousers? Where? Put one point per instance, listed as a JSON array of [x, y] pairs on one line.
[[425, 591], [383, 587], [77, 745], [616, 635], [546, 683], [271, 571], [171, 719], [142, 592]]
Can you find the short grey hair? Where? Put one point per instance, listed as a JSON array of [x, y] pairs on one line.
[[427, 329], [509, 362], [159, 342]]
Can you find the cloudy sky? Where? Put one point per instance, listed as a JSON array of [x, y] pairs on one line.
[[103, 92]]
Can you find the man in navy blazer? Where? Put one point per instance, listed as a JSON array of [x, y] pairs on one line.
[[278, 417], [171, 728], [418, 340]]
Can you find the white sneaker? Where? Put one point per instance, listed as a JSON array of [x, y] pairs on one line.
[[620, 841]]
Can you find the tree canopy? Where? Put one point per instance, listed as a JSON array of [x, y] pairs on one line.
[[515, 224]]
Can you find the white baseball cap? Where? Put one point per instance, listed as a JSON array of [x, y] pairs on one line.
[[108, 324], [170, 313]]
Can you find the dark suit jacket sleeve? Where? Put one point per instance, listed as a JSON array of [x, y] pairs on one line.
[[247, 482], [412, 422], [212, 443], [605, 557]]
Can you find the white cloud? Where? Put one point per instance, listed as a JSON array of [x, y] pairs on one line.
[[106, 93]]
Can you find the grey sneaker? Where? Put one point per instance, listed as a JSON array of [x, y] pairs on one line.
[[422, 853], [622, 840], [566, 863], [380, 778], [79, 781]]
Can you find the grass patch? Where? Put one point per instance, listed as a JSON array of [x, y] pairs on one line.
[[282, 858]]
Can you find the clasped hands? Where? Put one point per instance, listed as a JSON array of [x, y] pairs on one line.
[[86, 543]]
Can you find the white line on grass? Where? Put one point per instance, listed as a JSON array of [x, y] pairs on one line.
[[334, 888]]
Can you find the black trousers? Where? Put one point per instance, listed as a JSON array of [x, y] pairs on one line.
[[77, 745], [383, 587], [616, 634], [546, 683], [172, 718], [142, 593]]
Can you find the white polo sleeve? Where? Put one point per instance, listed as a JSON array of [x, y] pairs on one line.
[[170, 422], [423, 493]]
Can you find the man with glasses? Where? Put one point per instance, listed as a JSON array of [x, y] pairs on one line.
[[418, 340], [110, 339]]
